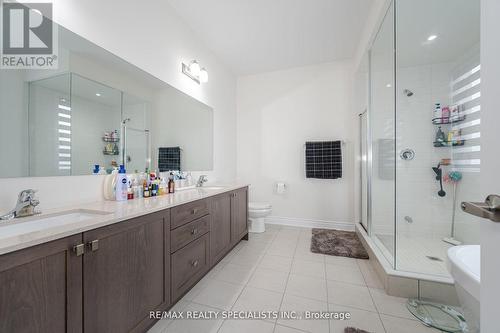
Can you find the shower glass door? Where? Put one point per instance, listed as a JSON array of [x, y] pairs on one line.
[[382, 138], [438, 118]]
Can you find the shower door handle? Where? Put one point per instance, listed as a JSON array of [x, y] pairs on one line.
[[489, 209]]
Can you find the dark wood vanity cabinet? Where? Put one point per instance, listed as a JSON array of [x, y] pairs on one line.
[[126, 274], [40, 288], [239, 215], [109, 279]]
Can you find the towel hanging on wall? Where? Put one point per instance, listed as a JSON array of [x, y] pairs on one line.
[[169, 159], [324, 159]]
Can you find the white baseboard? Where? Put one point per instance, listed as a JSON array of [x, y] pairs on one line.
[[310, 223]]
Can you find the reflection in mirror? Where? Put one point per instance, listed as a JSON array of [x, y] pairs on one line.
[[97, 109]]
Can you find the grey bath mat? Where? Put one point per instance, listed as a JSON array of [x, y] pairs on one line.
[[337, 243], [354, 330]]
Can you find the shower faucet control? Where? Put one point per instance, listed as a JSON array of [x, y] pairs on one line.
[[489, 209], [407, 154]]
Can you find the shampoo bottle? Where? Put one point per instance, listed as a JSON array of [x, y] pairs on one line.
[[121, 184]]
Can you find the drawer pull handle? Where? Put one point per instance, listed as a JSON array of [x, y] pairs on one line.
[[194, 211], [194, 231], [194, 263], [79, 249], [93, 245]]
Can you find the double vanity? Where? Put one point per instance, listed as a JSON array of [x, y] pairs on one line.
[[104, 267]]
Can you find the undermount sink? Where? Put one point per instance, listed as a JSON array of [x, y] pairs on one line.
[[200, 188], [38, 223], [214, 188]]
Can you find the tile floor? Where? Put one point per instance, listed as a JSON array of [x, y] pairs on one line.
[[276, 271]]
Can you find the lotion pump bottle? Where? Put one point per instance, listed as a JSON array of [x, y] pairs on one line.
[[121, 184]]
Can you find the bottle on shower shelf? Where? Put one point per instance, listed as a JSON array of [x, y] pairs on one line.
[[438, 114], [440, 139]]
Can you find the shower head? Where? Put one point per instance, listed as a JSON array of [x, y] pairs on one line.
[[408, 92]]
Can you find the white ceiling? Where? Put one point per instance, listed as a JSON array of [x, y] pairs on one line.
[[254, 36], [456, 23]]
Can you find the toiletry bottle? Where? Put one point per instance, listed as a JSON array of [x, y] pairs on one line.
[[163, 187], [96, 169], [121, 184], [146, 192], [440, 138], [154, 188], [135, 189], [437, 112], [445, 111], [454, 115], [171, 183], [130, 193]]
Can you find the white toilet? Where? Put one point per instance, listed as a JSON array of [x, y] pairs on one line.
[[464, 266], [257, 212]]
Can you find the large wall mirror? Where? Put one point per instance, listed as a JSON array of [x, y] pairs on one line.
[[97, 109]]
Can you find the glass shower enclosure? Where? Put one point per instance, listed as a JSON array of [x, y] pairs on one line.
[[421, 135], [76, 123]]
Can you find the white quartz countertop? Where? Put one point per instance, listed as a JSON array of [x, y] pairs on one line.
[[58, 223]]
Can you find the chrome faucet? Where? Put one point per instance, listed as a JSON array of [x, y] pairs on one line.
[[25, 206], [203, 179]]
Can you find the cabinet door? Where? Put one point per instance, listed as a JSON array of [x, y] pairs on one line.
[[220, 228], [239, 218], [40, 288], [126, 274]]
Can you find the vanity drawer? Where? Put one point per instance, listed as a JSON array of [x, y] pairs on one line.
[[188, 212], [187, 233], [189, 264]]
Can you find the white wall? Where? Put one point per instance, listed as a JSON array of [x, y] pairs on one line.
[[490, 136], [277, 113], [13, 120], [155, 39]]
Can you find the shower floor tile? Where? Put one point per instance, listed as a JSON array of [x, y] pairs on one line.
[[419, 254]]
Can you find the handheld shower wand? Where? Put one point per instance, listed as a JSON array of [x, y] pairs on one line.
[[439, 177]]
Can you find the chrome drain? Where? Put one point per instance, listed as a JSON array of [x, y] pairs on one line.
[[434, 258]]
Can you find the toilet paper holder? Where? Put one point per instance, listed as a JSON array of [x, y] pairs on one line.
[[280, 187]]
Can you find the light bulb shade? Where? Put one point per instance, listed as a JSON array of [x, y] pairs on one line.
[[194, 68], [203, 75]]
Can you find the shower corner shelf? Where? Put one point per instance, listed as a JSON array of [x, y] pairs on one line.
[[448, 120], [113, 153], [441, 144], [108, 139]]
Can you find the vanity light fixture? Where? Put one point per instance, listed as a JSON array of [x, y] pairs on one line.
[[195, 72], [388, 85], [98, 94], [431, 38]]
